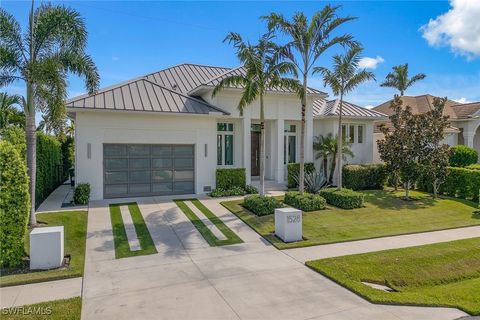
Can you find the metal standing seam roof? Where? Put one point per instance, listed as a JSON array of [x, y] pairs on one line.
[[142, 95], [332, 109]]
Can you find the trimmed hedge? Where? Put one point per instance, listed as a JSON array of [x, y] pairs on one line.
[[294, 169], [261, 206], [473, 167], [81, 194], [364, 176], [49, 166], [345, 198], [68, 156], [462, 156], [235, 191], [228, 178], [14, 205], [306, 202]]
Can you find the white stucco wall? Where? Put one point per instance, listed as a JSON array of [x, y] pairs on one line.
[[99, 127]]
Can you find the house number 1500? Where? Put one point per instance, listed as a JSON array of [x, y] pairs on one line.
[[293, 219]]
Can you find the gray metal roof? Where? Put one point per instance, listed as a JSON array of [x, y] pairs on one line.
[[331, 108], [142, 94]]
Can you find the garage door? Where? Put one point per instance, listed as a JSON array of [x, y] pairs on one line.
[[147, 169]]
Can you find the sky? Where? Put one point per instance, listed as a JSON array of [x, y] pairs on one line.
[[129, 39]]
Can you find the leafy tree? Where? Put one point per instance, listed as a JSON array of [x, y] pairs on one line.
[[344, 78], [9, 115], [263, 70], [398, 79], [52, 46], [309, 39], [327, 148]]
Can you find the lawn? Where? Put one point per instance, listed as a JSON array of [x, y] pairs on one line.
[[444, 274], [122, 249], [68, 309], [75, 224], [384, 214], [232, 238]]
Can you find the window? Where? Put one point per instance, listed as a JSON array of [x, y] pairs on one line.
[[351, 133], [290, 144], [225, 144], [344, 131], [291, 128], [360, 134]]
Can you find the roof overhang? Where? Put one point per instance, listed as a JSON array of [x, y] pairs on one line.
[[205, 89]]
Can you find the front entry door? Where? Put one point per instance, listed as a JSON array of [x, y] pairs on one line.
[[255, 155]]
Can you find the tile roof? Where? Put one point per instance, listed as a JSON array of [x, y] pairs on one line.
[[331, 108], [142, 94], [467, 110]]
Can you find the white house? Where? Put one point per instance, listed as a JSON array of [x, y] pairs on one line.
[[163, 133]]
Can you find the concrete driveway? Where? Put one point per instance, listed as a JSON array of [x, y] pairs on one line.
[[188, 279]]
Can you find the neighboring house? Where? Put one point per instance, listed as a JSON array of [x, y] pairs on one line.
[[464, 120], [163, 133]]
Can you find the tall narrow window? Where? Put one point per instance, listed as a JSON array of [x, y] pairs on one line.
[[290, 144], [224, 144], [360, 134], [351, 133], [344, 132]]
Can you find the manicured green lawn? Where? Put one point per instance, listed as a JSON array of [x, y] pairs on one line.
[[122, 249], [385, 214], [232, 238], [68, 309], [75, 225], [444, 274]]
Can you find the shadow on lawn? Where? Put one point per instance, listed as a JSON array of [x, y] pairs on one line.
[[392, 200]]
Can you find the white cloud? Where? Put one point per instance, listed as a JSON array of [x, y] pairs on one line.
[[370, 63], [115, 58], [458, 28], [462, 100], [369, 107]]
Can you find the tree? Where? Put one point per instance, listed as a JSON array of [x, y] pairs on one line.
[[263, 70], [342, 79], [52, 46], [309, 39], [8, 111], [327, 148], [398, 79]]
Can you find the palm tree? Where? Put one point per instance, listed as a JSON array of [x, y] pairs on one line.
[[344, 78], [309, 40], [7, 108], [327, 147], [52, 46], [399, 80], [263, 70]]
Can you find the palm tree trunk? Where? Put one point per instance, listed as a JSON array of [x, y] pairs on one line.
[[262, 147], [30, 131], [301, 180], [325, 164], [340, 146], [332, 169]]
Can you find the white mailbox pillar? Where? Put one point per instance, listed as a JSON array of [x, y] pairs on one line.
[[288, 224], [46, 248]]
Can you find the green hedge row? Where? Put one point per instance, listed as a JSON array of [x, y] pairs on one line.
[[306, 202], [49, 166], [230, 177], [364, 176], [462, 183], [293, 170], [462, 156], [68, 156], [261, 205], [14, 205], [345, 198]]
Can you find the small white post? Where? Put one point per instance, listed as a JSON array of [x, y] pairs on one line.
[[46, 248], [288, 224]]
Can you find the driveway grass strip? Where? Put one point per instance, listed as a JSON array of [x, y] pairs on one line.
[[442, 275], [122, 248], [66, 309], [385, 214], [232, 238], [75, 231]]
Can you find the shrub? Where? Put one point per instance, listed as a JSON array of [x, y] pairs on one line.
[[49, 166], [16, 137], [293, 170], [306, 202], [231, 177], [345, 198], [14, 205], [249, 189], [68, 156], [473, 167], [81, 194], [462, 156], [364, 176], [462, 183], [261, 205], [235, 191]]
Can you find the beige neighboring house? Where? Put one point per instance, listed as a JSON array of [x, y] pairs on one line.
[[464, 120]]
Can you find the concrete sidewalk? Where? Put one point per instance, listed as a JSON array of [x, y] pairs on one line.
[[63, 194], [370, 245], [16, 296]]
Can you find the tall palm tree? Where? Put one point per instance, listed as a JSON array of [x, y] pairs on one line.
[[7, 108], [263, 70], [309, 39], [344, 78], [398, 79], [52, 46]]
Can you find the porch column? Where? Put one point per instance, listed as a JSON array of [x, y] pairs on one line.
[[279, 154], [309, 134], [468, 138], [246, 152]]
